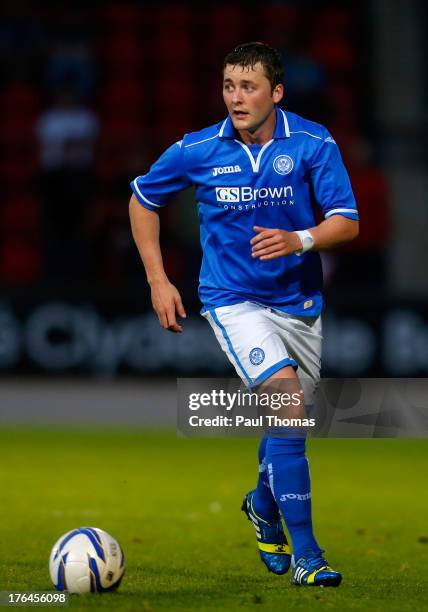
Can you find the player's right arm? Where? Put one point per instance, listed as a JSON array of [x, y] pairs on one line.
[[152, 191], [166, 299]]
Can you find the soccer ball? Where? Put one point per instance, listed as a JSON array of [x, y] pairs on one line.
[[86, 560]]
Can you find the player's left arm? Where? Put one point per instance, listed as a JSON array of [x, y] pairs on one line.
[[334, 232], [329, 234], [333, 193]]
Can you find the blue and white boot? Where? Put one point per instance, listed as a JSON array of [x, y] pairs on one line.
[[273, 546], [315, 571]]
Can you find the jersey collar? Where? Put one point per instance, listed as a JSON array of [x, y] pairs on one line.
[[281, 127]]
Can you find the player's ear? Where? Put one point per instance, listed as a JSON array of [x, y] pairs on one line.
[[278, 93]]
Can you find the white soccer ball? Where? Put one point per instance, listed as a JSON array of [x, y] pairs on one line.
[[86, 560]]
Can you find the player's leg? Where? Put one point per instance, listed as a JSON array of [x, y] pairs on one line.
[[288, 466], [255, 350], [249, 340], [264, 503], [263, 500]]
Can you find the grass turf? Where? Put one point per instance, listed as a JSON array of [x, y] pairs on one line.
[[173, 503]]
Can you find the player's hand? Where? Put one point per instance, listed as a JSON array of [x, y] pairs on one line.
[[167, 304], [273, 243]]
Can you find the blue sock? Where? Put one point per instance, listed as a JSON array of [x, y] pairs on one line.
[[291, 486], [263, 501]]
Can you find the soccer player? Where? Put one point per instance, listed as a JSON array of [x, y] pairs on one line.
[[260, 176]]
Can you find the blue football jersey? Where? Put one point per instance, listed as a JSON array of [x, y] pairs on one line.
[[278, 185]]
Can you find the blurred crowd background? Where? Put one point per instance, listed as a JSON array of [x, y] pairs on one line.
[[93, 92]]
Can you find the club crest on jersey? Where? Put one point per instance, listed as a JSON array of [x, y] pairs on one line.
[[283, 164], [226, 170], [257, 356]]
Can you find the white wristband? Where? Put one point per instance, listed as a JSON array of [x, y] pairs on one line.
[[307, 241]]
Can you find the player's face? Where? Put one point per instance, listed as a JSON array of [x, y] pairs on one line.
[[249, 97]]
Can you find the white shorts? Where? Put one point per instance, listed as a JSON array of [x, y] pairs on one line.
[[259, 341]]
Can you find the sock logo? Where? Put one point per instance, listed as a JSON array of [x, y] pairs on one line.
[[298, 496]]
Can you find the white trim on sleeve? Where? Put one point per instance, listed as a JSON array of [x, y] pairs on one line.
[[143, 197], [351, 211]]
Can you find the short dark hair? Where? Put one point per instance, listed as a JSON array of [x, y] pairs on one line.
[[249, 54]]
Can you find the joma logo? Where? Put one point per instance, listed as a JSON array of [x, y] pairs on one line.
[[299, 496], [226, 170]]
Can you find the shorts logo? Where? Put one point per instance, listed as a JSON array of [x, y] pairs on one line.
[[227, 194], [283, 164], [257, 356]]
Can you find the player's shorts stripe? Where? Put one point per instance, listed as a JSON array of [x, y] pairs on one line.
[[277, 366], [229, 344], [351, 211], [143, 197]]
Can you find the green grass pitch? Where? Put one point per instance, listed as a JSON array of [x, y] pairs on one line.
[[173, 504]]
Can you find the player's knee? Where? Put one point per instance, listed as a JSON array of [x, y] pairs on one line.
[[285, 372]]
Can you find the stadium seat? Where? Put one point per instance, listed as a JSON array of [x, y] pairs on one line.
[[172, 91], [120, 93], [18, 170], [20, 260], [19, 97], [123, 16], [122, 49], [21, 213], [173, 17]]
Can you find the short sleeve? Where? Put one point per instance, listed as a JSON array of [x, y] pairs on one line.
[[165, 178], [331, 184]]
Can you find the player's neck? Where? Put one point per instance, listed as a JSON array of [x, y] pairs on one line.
[[262, 134]]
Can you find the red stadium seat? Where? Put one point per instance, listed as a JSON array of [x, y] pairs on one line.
[[173, 17], [175, 50], [226, 16], [334, 54], [120, 93], [17, 171], [174, 93], [120, 128], [278, 23], [20, 260], [21, 214], [20, 97], [124, 16], [122, 49]]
